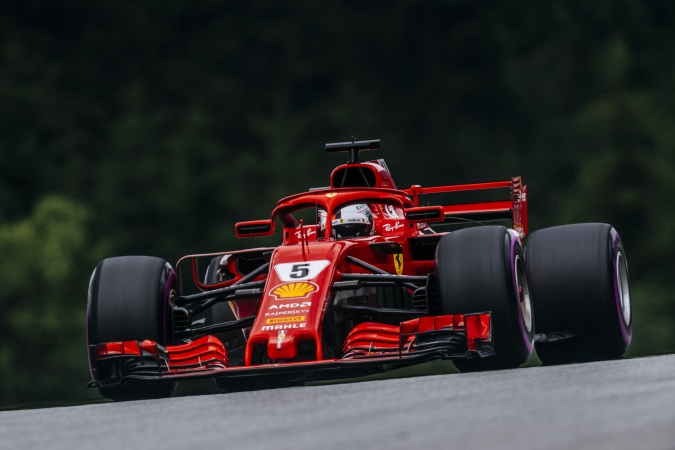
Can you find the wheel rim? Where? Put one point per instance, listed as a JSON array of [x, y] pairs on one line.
[[621, 271], [523, 291]]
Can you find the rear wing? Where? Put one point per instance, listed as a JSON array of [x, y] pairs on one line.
[[514, 209]]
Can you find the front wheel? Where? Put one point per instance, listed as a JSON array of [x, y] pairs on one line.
[[482, 269], [128, 300]]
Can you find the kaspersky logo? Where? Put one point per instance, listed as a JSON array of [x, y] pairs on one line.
[[287, 291]]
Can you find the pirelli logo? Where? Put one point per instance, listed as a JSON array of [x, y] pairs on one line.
[[285, 320]]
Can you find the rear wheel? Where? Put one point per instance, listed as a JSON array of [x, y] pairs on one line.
[[129, 301], [482, 269], [579, 283]]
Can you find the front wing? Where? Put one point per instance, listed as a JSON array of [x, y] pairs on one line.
[[370, 347]]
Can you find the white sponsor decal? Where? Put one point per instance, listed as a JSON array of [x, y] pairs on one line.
[[309, 232], [389, 228], [298, 271], [287, 312], [291, 305], [280, 338], [285, 326]]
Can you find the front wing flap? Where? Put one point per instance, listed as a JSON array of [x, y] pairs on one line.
[[369, 344]]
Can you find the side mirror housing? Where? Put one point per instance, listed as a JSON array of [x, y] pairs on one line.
[[425, 214], [254, 228]]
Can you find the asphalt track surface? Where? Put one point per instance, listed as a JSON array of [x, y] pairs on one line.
[[623, 404]]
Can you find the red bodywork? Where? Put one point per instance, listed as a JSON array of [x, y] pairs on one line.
[[284, 310]]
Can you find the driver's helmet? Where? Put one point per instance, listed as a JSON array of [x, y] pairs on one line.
[[350, 221]]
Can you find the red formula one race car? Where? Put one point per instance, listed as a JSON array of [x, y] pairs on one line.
[[362, 282]]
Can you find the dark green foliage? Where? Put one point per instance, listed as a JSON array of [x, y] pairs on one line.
[[167, 122], [46, 259]]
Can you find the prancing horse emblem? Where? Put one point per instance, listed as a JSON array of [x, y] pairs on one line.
[[398, 263]]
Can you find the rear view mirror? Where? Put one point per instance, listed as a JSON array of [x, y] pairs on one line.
[[254, 228], [425, 214]]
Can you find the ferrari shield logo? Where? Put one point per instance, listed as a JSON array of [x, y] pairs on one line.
[[398, 263]]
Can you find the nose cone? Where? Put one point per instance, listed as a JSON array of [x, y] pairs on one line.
[[289, 320], [285, 346]]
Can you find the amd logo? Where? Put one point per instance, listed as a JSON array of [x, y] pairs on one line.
[[291, 305]]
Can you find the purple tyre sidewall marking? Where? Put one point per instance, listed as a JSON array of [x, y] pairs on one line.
[[166, 293], [523, 329], [626, 329], [87, 325]]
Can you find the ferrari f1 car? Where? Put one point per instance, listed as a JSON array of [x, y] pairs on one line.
[[363, 281]]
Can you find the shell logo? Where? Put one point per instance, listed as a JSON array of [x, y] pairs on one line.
[[293, 290]]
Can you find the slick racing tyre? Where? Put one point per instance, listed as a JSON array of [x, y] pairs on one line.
[[129, 301], [482, 269], [579, 284]]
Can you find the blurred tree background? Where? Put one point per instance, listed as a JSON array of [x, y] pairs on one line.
[[148, 127]]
